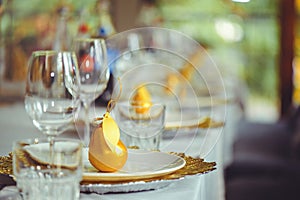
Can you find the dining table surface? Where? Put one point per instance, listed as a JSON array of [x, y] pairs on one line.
[[15, 124]]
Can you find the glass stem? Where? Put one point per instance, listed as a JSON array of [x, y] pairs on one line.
[[51, 151], [86, 135]]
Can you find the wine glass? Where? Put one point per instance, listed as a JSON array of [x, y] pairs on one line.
[[94, 75], [51, 97]]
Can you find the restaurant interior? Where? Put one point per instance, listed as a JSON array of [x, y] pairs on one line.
[[254, 46]]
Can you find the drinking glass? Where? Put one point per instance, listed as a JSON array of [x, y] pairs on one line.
[[141, 125], [94, 75], [51, 97], [35, 180]]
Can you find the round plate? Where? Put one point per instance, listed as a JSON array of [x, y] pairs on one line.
[[133, 186], [140, 164]]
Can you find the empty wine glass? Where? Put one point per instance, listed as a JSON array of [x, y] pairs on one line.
[[51, 97], [94, 74]]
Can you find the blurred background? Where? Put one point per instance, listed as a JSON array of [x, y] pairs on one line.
[[254, 43], [243, 37]]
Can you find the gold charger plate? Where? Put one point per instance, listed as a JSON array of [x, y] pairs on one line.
[[193, 167]]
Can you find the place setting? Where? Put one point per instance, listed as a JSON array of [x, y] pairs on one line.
[[119, 151], [146, 168], [143, 169]]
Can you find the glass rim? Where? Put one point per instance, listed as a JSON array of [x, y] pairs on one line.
[[138, 103], [50, 52], [90, 39]]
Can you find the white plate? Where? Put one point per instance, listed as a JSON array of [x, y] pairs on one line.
[[40, 153], [140, 164]]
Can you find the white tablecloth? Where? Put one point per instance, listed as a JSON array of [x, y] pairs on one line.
[[15, 124]]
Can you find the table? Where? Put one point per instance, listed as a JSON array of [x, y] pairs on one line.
[[15, 124]]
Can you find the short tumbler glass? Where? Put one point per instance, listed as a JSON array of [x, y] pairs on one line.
[[141, 125], [38, 178]]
